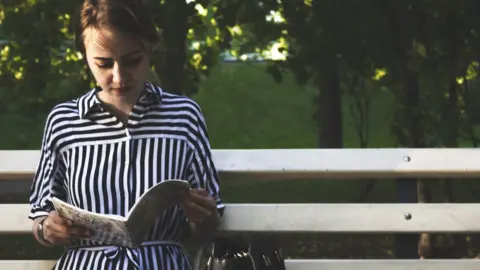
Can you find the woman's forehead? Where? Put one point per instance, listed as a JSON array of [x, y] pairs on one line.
[[109, 41]]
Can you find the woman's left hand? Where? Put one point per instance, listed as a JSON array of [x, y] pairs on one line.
[[199, 206]]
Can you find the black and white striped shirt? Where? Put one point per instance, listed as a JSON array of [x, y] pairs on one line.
[[93, 161]]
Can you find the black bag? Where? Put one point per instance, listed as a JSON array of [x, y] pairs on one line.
[[237, 253]]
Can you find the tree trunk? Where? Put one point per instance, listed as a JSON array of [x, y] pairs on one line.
[[455, 244], [174, 25], [329, 106], [416, 138]]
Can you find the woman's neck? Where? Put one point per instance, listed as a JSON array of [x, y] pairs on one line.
[[121, 111], [120, 106]]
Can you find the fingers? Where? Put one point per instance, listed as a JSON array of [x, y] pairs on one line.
[[196, 211], [198, 205], [78, 232], [58, 230], [55, 229], [203, 200], [197, 216], [58, 220], [201, 192]]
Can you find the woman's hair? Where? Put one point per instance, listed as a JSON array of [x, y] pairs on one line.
[[127, 16]]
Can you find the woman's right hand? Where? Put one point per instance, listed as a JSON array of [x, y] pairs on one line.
[[59, 231]]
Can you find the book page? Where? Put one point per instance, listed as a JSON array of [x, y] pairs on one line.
[[152, 204], [108, 229]]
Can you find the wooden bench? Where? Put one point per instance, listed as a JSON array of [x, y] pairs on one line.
[[234, 165]]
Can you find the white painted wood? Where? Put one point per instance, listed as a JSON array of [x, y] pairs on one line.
[[371, 162], [17, 221], [318, 163], [311, 265], [18, 163], [382, 264], [26, 265], [356, 218], [333, 218]]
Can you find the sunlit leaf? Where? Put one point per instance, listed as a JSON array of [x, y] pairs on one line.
[[379, 74], [201, 10]]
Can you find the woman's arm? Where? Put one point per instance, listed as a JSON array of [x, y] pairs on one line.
[[48, 181], [203, 206]]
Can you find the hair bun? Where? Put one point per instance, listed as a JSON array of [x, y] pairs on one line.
[[128, 16], [91, 3]]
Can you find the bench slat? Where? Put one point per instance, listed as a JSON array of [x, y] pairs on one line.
[[353, 218], [307, 163], [382, 264], [26, 265], [311, 265], [343, 218]]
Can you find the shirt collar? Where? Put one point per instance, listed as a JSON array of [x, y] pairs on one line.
[[152, 95], [86, 102]]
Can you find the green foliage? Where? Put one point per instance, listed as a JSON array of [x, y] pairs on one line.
[[404, 67], [37, 66], [188, 48], [40, 67], [425, 48]]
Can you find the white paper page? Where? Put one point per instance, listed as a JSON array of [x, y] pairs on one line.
[[108, 229], [153, 203]]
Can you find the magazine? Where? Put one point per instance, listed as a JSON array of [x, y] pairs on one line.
[[131, 230]]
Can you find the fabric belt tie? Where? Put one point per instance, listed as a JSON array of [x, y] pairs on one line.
[[112, 252], [132, 254]]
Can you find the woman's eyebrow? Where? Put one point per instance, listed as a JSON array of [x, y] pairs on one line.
[[131, 53], [124, 56]]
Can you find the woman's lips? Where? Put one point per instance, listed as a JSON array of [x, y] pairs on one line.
[[120, 90]]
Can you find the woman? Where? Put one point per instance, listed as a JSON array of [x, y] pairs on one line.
[[101, 151]]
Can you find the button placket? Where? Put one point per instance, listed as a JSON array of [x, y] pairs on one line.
[[127, 170], [133, 119]]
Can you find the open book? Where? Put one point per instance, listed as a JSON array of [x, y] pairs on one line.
[[131, 230]]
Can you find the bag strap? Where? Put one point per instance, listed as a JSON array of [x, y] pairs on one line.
[[253, 261], [198, 257]]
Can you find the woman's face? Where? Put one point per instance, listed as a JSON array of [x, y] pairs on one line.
[[119, 63]]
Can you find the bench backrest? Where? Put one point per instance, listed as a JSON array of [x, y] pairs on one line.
[[341, 164]]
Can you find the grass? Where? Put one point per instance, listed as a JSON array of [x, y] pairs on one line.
[[245, 108]]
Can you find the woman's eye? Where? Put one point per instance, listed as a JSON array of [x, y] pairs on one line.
[[105, 65], [127, 62], [131, 62]]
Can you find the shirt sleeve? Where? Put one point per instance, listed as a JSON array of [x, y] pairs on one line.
[[49, 177], [203, 173]]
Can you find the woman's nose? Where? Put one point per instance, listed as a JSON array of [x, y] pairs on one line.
[[118, 76]]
